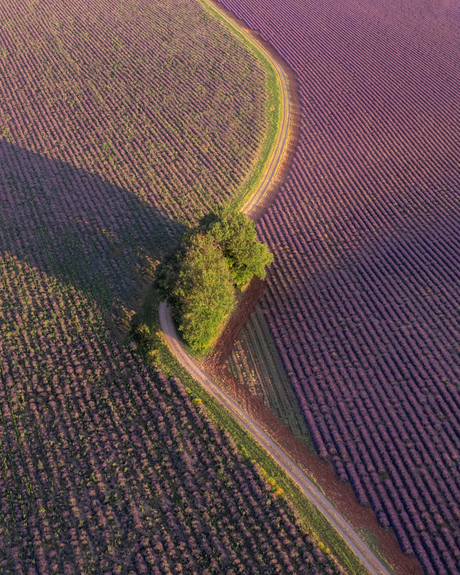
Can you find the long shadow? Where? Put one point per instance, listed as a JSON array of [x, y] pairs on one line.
[[76, 226]]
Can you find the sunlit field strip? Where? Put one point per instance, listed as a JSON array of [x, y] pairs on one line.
[[128, 136]]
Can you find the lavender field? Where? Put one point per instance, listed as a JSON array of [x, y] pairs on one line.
[[106, 466], [364, 295], [120, 123]]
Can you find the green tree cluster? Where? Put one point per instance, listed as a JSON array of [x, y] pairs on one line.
[[237, 237], [199, 279]]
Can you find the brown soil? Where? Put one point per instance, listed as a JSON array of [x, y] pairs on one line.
[[235, 324]]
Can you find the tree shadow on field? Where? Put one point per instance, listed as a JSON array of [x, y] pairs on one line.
[[76, 226]]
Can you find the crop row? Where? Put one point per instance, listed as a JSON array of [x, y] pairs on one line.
[[117, 127], [255, 363], [118, 121]]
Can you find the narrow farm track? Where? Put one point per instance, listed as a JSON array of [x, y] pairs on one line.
[[279, 149], [310, 490]]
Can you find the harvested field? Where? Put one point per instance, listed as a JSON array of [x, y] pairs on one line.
[[255, 363], [362, 300]]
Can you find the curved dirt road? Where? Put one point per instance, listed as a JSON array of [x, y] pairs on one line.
[[356, 544], [285, 120]]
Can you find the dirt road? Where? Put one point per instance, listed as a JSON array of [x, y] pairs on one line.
[[279, 149], [365, 555]]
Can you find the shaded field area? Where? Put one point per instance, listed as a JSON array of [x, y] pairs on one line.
[[108, 466], [362, 300], [120, 124], [78, 227]]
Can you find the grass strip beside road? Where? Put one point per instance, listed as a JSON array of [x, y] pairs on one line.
[[310, 488], [273, 108]]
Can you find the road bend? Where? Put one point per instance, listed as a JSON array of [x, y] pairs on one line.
[[282, 138]]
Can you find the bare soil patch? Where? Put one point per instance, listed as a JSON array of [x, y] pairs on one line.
[[235, 324]]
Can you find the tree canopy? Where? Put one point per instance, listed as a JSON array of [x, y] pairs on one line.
[[237, 237], [198, 279]]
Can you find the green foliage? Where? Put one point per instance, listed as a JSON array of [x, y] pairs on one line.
[[167, 275], [198, 278], [200, 290], [237, 237], [248, 447], [140, 333]]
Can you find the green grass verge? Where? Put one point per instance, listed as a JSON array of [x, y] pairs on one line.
[[272, 112], [372, 542], [313, 520]]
